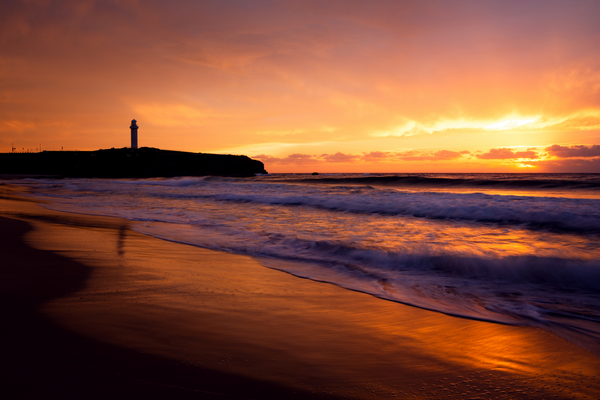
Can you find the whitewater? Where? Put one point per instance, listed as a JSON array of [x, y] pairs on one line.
[[519, 249]]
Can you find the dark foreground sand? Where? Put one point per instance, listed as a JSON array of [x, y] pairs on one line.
[[92, 309]]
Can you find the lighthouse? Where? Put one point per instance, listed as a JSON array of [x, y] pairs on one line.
[[134, 129]]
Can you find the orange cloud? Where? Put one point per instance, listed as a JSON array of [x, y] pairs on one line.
[[505, 154], [449, 155]]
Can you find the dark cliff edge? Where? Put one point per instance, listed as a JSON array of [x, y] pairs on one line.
[[145, 162]]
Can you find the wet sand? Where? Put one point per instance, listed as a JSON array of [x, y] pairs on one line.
[[95, 309]]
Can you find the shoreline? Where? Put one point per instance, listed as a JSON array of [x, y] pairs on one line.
[[46, 357], [261, 332]]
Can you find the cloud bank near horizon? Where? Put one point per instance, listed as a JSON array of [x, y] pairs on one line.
[[549, 159]]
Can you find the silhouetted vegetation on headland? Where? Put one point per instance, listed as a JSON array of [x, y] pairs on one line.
[[145, 162]]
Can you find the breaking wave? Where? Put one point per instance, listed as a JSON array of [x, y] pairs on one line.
[[517, 259], [502, 181]]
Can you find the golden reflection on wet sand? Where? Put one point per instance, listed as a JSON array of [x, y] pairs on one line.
[[228, 312]]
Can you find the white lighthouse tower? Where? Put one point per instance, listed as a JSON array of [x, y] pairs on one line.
[[134, 128]]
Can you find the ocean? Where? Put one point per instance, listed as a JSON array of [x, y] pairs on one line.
[[519, 249]]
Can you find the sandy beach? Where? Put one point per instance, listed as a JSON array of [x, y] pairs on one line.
[[93, 309]]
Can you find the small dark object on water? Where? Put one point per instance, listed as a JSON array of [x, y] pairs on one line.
[[315, 173]]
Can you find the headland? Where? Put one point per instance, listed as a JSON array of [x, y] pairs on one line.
[[145, 162]]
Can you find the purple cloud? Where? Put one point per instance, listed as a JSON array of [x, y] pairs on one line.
[[297, 159], [440, 155], [573, 151], [339, 157], [579, 165], [377, 156]]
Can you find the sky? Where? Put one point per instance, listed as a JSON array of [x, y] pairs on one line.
[[303, 85]]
